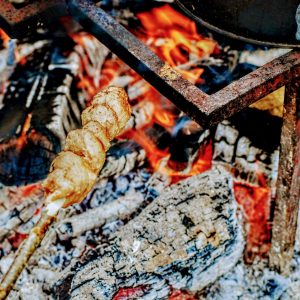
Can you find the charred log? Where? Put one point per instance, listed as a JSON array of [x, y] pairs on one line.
[[179, 240], [41, 104]]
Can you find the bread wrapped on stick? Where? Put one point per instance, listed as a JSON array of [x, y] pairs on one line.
[[74, 171]]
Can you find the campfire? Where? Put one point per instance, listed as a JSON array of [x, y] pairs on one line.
[[178, 211]]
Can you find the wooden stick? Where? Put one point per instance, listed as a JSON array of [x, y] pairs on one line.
[[29, 246]]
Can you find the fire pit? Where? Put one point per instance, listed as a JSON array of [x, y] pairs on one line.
[[69, 69]]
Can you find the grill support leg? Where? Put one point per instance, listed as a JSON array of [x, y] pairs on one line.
[[288, 184]]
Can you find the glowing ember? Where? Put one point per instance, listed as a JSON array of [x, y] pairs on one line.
[[256, 205], [130, 293], [181, 295], [30, 189], [16, 239]]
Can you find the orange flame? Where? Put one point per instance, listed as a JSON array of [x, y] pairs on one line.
[[158, 159], [4, 37], [23, 136], [154, 155], [175, 39]]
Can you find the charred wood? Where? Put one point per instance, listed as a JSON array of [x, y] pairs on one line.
[[41, 104], [121, 158], [142, 115], [248, 143], [106, 211], [179, 240], [186, 138]]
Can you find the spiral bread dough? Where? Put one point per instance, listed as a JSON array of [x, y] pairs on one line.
[[74, 171]]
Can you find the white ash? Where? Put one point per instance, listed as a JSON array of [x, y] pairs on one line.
[[121, 208], [138, 89], [122, 81], [247, 282], [261, 57], [186, 238], [257, 281], [15, 218]]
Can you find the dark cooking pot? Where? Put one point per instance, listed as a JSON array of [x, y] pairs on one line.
[[268, 22]]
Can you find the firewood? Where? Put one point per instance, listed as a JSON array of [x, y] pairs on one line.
[[185, 239]]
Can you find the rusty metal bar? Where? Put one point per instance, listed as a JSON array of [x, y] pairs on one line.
[[253, 87], [288, 184], [204, 109], [140, 58]]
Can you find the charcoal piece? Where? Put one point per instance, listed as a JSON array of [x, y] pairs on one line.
[[159, 136], [43, 103], [29, 163], [142, 115], [97, 217], [122, 158], [248, 144], [186, 139], [24, 86], [217, 77], [108, 204], [38, 109], [186, 238], [260, 127]]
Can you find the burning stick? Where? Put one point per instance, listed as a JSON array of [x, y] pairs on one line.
[[74, 171]]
